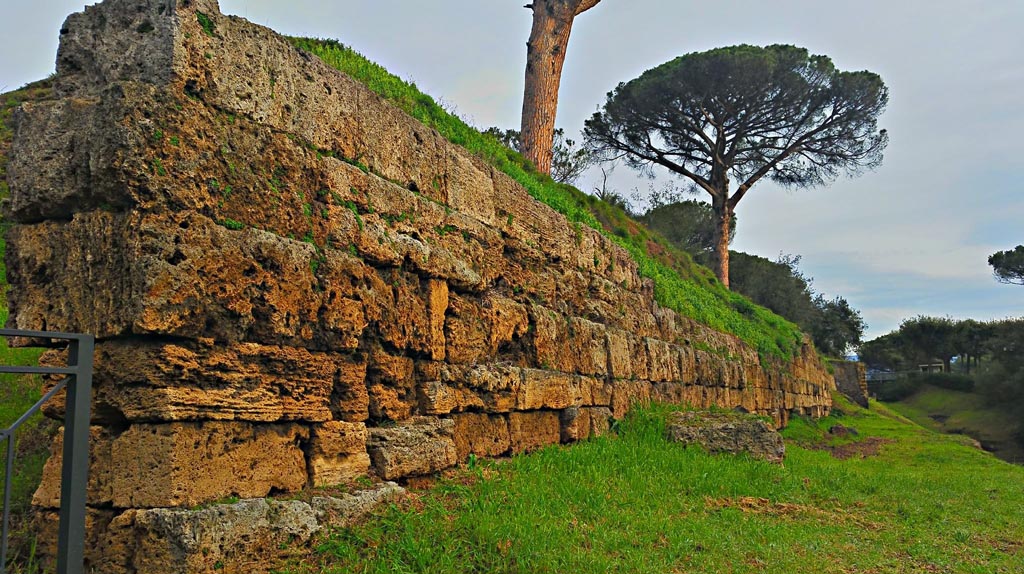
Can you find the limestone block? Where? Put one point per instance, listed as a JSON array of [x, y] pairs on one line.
[[548, 329], [337, 453], [579, 423], [627, 393], [243, 536], [620, 357], [391, 386], [662, 363], [470, 189], [174, 274], [727, 432], [184, 464], [420, 445], [587, 344], [99, 491], [467, 331], [509, 322], [548, 390], [347, 509], [437, 306], [105, 550], [440, 398], [531, 430], [480, 434], [154, 380]]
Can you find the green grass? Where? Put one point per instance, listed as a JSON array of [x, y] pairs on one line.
[[680, 284], [636, 503], [958, 412]]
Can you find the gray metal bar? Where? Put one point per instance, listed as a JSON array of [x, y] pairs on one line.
[[19, 370], [7, 501], [42, 334], [75, 471], [39, 404]]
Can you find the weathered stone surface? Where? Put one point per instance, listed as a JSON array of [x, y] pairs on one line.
[[391, 386], [579, 423], [247, 535], [99, 491], [146, 380], [420, 445], [183, 464], [338, 453], [272, 256], [851, 380], [531, 430], [480, 434], [727, 432], [344, 510]]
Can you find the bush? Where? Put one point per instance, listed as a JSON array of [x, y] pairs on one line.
[[951, 381], [897, 390]]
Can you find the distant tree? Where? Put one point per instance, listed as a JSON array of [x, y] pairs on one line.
[[545, 55], [568, 161], [972, 339], [778, 285], [838, 326], [1008, 266], [689, 224], [744, 113], [931, 338], [885, 353]]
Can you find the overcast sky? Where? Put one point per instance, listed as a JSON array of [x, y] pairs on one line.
[[912, 237]]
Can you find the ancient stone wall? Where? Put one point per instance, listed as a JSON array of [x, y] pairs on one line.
[[852, 380], [295, 284]]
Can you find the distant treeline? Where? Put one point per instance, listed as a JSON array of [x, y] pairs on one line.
[[984, 357]]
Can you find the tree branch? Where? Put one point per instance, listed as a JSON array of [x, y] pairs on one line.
[[586, 5]]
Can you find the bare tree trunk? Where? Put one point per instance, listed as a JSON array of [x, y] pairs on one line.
[[545, 54], [723, 211]]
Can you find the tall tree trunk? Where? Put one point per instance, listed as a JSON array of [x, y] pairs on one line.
[[723, 212], [545, 54]]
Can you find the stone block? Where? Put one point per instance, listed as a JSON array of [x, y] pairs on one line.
[[529, 431], [420, 445], [391, 385], [727, 432], [148, 380], [480, 434], [337, 453]]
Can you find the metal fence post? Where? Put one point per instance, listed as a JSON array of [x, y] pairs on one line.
[[75, 471], [75, 464]]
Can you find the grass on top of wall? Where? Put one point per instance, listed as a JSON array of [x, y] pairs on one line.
[[680, 284]]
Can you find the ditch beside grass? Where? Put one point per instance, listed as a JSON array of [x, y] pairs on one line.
[[633, 502]]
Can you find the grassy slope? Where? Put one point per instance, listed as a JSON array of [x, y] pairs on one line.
[[636, 503], [958, 412], [680, 284]]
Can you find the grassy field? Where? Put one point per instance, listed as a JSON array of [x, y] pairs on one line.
[[959, 412], [907, 500]]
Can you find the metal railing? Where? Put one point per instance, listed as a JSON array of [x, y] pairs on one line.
[[75, 468]]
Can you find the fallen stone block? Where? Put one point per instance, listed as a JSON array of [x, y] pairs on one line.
[[727, 432]]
